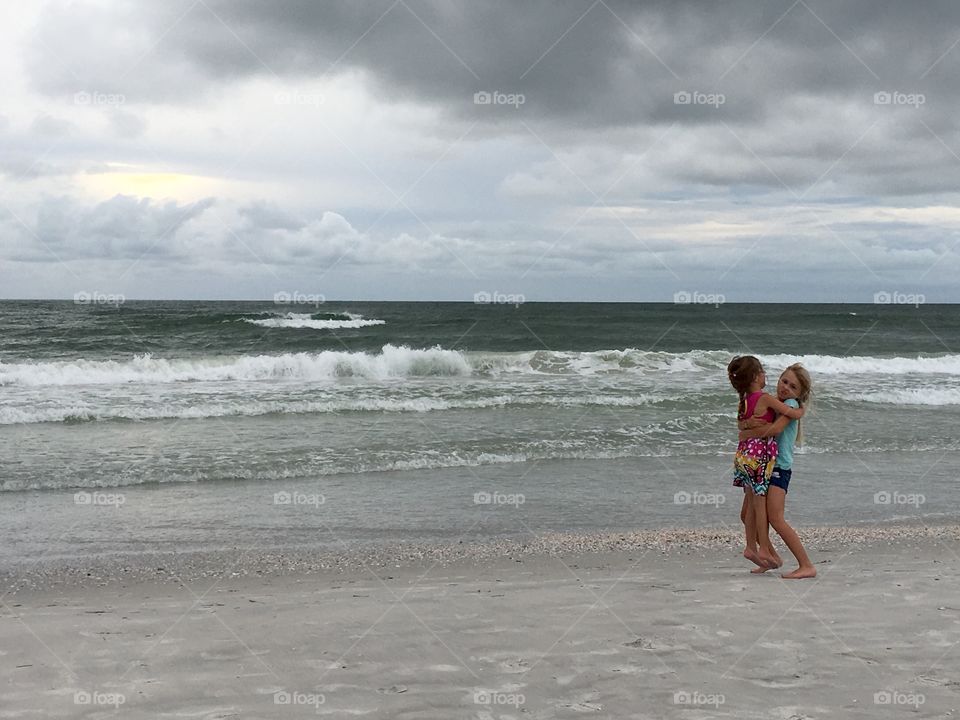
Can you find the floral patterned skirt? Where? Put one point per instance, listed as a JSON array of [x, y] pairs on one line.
[[754, 463]]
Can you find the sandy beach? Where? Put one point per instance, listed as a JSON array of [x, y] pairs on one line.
[[651, 625]]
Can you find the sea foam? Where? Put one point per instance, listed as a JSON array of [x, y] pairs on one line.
[[305, 320], [400, 361]]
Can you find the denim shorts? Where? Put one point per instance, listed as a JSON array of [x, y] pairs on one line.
[[780, 477]]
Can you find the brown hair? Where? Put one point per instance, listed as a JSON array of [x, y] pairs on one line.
[[742, 371], [806, 390]]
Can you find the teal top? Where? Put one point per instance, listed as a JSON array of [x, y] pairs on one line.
[[786, 439]]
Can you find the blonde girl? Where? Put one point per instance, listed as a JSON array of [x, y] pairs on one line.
[[755, 457], [793, 388]]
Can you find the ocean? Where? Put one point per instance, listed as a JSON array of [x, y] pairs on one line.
[[143, 426]]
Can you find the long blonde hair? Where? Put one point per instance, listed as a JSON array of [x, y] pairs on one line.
[[804, 396]]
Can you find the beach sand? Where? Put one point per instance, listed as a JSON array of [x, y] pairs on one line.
[[654, 625]]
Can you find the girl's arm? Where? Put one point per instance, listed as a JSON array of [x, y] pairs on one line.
[[766, 429], [751, 423], [769, 401]]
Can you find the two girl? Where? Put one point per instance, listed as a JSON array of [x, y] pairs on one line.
[[763, 463]]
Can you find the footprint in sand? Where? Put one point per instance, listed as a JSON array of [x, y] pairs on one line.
[[514, 666], [227, 655], [583, 707], [937, 682], [648, 644], [781, 683]]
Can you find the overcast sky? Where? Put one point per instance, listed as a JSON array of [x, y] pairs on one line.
[[416, 150]]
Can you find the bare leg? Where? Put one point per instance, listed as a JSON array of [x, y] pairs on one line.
[[765, 551], [776, 499], [750, 531]]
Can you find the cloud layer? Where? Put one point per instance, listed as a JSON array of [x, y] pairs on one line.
[[610, 150]]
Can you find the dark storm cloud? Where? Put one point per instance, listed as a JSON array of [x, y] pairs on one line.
[[786, 88], [597, 63]]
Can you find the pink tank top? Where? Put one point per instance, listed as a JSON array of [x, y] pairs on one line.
[[752, 400]]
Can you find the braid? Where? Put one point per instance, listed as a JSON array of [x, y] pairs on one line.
[[741, 372]]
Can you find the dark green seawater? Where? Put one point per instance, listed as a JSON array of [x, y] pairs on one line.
[[40, 330], [146, 425]]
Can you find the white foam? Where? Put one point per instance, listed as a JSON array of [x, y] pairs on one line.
[[304, 320], [868, 365], [399, 362], [907, 396], [16, 415], [391, 362]]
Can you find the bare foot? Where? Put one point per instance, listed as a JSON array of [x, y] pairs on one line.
[[759, 570], [800, 573], [754, 557], [767, 560], [777, 557]]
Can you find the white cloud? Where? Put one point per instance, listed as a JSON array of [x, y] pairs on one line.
[[380, 169]]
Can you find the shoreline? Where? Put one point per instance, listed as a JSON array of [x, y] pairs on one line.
[[185, 567]]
